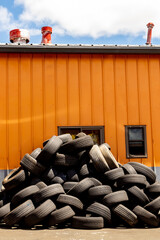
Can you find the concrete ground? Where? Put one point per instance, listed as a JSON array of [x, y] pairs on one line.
[[76, 234]]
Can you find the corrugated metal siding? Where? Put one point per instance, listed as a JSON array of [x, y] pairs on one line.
[[42, 91]]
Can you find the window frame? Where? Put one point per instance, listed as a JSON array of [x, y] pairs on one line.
[[81, 128], [128, 155]]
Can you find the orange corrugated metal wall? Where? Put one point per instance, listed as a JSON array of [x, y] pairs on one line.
[[39, 92]]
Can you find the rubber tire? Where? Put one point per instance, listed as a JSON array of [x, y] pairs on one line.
[[128, 169], [49, 174], [144, 170], [153, 191], [60, 215], [81, 134], [35, 153], [138, 195], [70, 200], [72, 175], [87, 222], [77, 145], [81, 187], [99, 191], [40, 213], [126, 214], [65, 137], [132, 180], [64, 160], [146, 216], [48, 192], [99, 162], [153, 206], [114, 174], [107, 154], [16, 177], [18, 213], [115, 198], [49, 150], [32, 165], [68, 185], [95, 181], [100, 210], [4, 210], [23, 195]]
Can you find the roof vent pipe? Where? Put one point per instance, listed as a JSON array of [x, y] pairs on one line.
[[149, 34], [19, 36], [46, 35]]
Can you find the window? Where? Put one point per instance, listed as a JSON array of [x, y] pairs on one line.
[[136, 145], [96, 132]]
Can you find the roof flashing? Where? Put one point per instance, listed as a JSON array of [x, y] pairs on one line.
[[79, 48]]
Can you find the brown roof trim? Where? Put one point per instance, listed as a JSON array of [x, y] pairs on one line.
[[94, 49]]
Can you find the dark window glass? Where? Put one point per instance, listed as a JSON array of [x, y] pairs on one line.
[[136, 146]]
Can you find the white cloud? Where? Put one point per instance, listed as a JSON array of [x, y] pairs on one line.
[[6, 19], [93, 18]]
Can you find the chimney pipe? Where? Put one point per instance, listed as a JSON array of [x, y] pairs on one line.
[[46, 35], [149, 34], [19, 36]]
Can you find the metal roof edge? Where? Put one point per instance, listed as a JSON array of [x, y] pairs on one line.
[[94, 49]]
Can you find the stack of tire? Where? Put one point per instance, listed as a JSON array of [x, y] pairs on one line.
[[74, 183]]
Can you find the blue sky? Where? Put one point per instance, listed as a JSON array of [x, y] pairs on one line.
[[82, 21]]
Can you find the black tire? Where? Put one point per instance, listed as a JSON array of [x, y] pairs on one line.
[[127, 215], [65, 137], [49, 174], [99, 191], [95, 181], [83, 171], [4, 210], [153, 191], [115, 198], [18, 213], [107, 145], [40, 213], [63, 160], [60, 178], [72, 175], [57, 179], [146, 216], [81, 187], [138, 195], [153, 206], [48, 192], [131, 180], [100, 210], [70, 200], [81, 134], [32, 165], [36, 181], [60, 215], [77, 145], [23, 195], [110, 159], [87, 222], [128, 169], [68, 185], [114, 174], [15, 178], [35, 153], [99, 162], [144, 170], [49, 150]]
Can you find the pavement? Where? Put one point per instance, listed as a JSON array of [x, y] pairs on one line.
[[77, 234]]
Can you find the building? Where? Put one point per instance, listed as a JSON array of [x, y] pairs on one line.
[[112, 92]]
